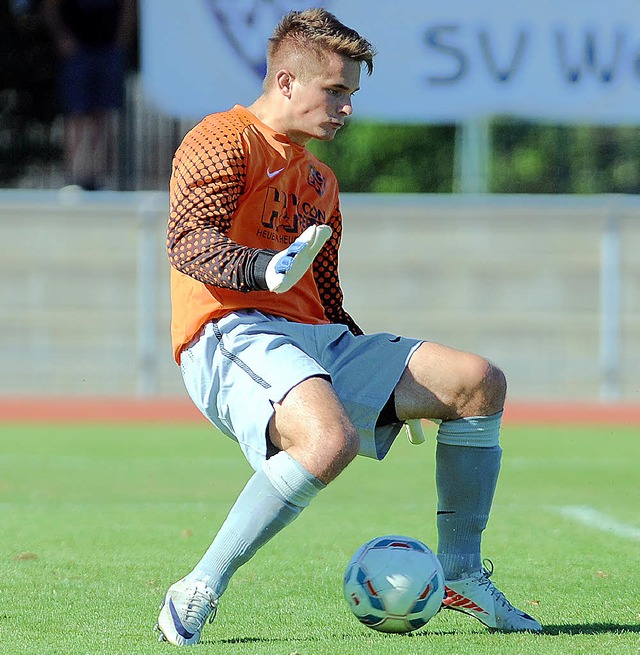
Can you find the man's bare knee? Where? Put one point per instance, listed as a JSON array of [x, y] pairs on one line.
[[447, 384], [494, 389], [351, 446], [327, 453], [312, 425], [339, 451], [482, 388]]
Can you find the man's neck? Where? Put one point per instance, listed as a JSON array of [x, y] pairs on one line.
[[264, 110]]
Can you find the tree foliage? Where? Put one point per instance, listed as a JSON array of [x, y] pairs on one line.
[[540, 158], [525, 158], [377, 158]]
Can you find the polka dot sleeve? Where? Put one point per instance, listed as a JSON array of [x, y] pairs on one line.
[[325, 271], [208, 177]]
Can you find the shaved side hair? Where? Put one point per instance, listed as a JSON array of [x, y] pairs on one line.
[[313, 33]]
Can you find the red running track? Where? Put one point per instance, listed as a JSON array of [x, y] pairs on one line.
[[180, 410]]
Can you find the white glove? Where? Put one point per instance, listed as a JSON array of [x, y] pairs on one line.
[[413, 426], [288, 266]]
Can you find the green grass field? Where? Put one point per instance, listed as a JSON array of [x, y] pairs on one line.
[[96, 521]]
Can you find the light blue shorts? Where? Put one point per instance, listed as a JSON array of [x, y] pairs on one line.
[[247, 361]]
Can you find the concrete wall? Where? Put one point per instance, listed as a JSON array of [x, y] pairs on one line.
[[85, 303]]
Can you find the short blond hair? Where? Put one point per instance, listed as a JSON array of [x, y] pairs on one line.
[[318, 32]]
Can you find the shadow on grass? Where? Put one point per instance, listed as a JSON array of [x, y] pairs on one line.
[[590, 629], [242, 640], [556, 630], [569, 629]]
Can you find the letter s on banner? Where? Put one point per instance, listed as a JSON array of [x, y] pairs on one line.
[[434, 39]]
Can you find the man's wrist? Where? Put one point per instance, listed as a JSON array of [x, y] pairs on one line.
[[257, 269]]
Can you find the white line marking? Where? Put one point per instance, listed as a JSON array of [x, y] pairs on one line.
[[600, 521]]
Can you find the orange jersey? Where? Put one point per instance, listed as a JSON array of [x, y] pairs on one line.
[[239, 188]]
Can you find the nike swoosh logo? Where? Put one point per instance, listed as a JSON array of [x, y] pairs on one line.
[[272, 174], [180, 629], [394, 340]]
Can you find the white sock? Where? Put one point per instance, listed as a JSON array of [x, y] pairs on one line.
[[466, 478], [272, 498]]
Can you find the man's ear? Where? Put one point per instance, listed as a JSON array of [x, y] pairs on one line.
[[284, 80]]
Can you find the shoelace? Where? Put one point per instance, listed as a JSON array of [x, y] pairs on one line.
[[199, 606], [484, 581]]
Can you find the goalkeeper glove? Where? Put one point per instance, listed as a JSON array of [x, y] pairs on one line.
[[287, 266]]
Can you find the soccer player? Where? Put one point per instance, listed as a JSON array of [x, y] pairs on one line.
[[268, 352]]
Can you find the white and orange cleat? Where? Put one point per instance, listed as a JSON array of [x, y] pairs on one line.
[[477, 596]]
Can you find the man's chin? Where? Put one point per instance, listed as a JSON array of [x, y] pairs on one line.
[[327, 135]]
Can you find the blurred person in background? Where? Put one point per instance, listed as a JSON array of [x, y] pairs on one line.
[[27, 95], [92, 38]]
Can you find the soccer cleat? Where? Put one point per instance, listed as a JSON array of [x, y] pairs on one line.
[[184, 611], [477, 596]]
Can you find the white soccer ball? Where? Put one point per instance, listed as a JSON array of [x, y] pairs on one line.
[[394, 584]]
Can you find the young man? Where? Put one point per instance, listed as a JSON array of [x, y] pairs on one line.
[[269, 354]]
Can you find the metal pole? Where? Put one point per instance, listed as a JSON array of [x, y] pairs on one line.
[[610, 279], [147, 292], [472, 156]]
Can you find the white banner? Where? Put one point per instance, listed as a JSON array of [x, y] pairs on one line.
[[553, 60]]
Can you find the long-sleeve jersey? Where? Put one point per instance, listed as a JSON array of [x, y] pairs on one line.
[[239, 188]]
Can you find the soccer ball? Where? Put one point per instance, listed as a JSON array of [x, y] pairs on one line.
[[394, 584]]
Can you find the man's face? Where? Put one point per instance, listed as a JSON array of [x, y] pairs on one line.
[[320, 99]]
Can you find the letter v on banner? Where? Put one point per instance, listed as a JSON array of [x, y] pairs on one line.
[[502, 74]]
